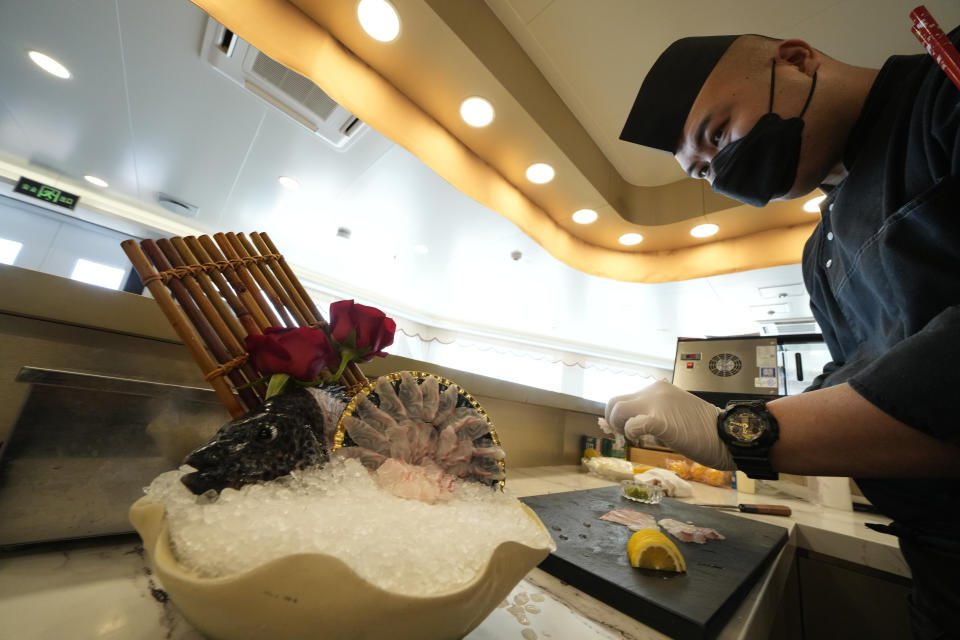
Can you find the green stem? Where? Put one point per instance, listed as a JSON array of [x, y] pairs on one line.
[[276, 385], [345, 359]]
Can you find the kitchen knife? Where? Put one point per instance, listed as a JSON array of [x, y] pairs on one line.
[[765, 509]]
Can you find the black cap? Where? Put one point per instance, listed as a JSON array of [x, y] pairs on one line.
[[667, 93]]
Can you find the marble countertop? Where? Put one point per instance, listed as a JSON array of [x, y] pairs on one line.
[[103, 588]]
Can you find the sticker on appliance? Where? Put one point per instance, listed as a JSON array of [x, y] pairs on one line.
[[765, 383], [767, 356], [768, 372]]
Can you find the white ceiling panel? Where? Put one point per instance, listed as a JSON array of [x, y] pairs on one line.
[[284, 147], [74, 126], [192, 127]]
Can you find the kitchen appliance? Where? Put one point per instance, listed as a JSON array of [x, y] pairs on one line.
[[748, 367]]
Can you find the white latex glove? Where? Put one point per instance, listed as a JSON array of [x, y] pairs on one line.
[[678, 419]]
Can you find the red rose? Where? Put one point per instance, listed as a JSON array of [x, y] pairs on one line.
[[300, 353], [364, 330]]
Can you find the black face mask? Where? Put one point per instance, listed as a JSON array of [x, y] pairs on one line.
[[762, 165]]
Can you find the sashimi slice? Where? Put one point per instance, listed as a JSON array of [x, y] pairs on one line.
[[689, 532], [635, 520]]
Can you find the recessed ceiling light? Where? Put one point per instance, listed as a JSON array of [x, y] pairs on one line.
[[48, 64], [100, 182], [704, 230], [813, 204], [476, 112], [288, 183], [630, 239], [540, 173], [585, 216], [379, 19], [421, 248]]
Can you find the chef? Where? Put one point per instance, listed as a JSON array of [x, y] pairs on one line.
[[763, 119]]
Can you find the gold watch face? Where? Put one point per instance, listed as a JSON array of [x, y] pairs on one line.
[[744, 425]]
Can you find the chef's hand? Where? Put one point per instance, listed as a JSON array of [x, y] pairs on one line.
[[678, 419]]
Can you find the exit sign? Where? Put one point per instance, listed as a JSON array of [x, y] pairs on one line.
[[45, 192]]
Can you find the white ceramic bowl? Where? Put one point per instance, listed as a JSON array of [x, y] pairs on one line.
[[318, 596]]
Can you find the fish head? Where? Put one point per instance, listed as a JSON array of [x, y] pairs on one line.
[[263, 445]]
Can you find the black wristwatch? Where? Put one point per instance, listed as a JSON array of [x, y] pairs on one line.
[[749, 430]]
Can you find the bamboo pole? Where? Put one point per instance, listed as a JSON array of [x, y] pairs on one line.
[[290, 298], [267, 282], [150, 278], [291, 276], [206, 283], [257, 305], [220, 353], [219, 325], [244, 309], [280, 275], [244, 274]]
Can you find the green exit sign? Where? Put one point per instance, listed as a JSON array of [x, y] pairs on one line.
[[45, 192]]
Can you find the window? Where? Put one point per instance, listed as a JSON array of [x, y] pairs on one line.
[[98, 274], [9, 250]]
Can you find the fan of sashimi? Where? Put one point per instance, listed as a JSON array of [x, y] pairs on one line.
[[420, 432]]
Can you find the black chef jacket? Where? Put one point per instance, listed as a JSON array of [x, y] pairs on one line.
[[883, 272]]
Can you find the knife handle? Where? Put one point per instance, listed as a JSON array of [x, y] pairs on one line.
[[766, 509]]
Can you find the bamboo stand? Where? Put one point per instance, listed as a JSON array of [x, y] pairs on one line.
[[215, 292]]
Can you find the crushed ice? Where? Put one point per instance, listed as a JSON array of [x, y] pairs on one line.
[[394, 543]]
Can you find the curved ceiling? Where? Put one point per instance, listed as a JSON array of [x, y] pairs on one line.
[[511, 52]]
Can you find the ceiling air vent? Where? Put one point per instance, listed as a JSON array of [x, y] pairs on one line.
[[293, 94], [788, 328]]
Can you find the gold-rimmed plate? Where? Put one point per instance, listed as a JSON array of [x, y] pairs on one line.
[[464, 399]]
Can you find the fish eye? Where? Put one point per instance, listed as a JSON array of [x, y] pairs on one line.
[[267, 433], [703, 170]]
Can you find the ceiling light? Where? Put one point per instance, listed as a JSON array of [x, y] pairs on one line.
[[288, 183], [48, 64], [631, 239], [704, 230], [540, 173], [421, 248], [476, 112], [379, 19], [100, 182], [813, 204], [585, 216], [99, 274]]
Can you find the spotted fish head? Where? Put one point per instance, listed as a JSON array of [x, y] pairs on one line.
[[285, 434]]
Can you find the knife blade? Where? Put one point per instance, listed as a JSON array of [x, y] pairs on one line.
[[765, 509]]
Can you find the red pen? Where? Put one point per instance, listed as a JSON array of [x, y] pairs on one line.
[[932, 37]]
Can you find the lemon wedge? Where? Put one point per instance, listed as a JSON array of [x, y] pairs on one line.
[[649, 549]]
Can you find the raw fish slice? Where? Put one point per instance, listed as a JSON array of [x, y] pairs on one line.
[[422, 439], [366, 436], [399, 437], [463, 452], [491, 474], [431, 397], [369, 459], [493, 453], [447, 441], [467, 423], [332, 400], [690, 533], [448, 402], [389, 401], [427, 483], [410, 395], [635, 520], [374, 415]]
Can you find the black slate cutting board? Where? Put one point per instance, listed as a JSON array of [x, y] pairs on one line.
[[591, 555]]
